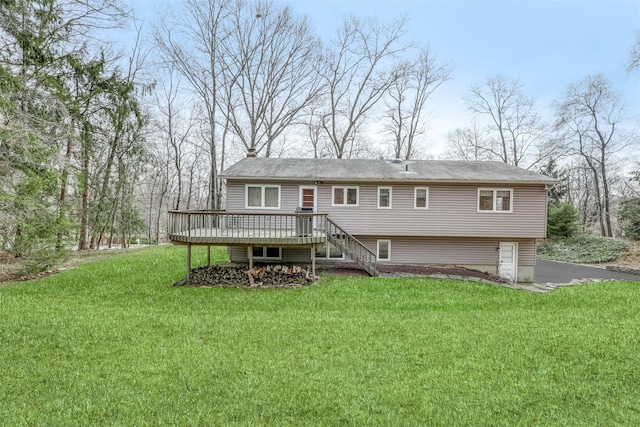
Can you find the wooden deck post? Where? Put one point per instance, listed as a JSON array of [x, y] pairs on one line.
[[188, 263], [250, 257], [313, 260]]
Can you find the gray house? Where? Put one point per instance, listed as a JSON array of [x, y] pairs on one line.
[[480, 215]]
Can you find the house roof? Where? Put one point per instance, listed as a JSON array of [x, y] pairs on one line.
[[359, 170]]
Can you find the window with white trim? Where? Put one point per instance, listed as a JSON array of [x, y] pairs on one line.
[[345, 196], [262, 196], [267, 252], [384, 250], [421, 198], [495, 200], [384, 197], [328, 251]]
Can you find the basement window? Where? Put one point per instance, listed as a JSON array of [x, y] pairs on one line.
[[267, 252], [384, 250], [328, 251]]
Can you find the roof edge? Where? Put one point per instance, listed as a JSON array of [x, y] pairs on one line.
[[550, 181]]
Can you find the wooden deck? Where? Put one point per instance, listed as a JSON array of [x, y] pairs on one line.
[[212, 228], [229, 228], [265, 237]]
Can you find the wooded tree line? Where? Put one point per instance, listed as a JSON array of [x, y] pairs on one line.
[[71, 139], [97, 144]]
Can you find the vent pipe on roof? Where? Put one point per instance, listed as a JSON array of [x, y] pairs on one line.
[[251, 152], [406, 168]]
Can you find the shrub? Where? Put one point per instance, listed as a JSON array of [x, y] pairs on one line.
[[582, 249]]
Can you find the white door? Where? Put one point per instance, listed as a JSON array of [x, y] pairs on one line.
[[508, 261]]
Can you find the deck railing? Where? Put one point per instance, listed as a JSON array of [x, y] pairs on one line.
[[238, 227], [207, 227], [355, 249]]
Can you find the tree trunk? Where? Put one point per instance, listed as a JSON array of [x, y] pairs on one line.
[[84, 181], [598, 199], [605, 195], [213, 174], [64, 180]]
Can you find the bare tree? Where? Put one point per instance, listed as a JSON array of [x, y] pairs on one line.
[[581, 191], [315, 133], [590, 118], [358, 73], [408, 94], [516, 130], [468, 144], [191, 42], [271, 60], [175, 127], [118, 128], [634, 57]]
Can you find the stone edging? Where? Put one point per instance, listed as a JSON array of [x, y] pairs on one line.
[[530, 287], [622, 269]]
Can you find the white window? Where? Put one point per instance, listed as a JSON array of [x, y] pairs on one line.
[[267, 252], [384, 250], [421, 198], [345, 196], [328, 251], [262, 196], [495, 200], [384, 197]]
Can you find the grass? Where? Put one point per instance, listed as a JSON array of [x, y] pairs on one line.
[[112, 343], [585, 248]]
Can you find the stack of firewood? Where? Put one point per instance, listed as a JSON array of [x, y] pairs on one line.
[[262, 276]]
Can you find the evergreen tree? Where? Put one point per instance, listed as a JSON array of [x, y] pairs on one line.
[[630, 218], [562, 221], [557, 192]]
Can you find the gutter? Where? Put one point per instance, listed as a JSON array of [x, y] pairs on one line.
[[372, 180]]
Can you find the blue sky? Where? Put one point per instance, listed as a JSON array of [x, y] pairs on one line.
[[547, 45]]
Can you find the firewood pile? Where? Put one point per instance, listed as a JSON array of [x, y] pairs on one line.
[[239, 276]]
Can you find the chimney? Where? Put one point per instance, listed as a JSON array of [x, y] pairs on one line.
[[251, 152]]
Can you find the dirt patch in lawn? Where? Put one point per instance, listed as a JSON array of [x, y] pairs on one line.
[[14, 269], [9, 267], [411, 270]]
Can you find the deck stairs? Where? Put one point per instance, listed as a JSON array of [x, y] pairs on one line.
[[352, 248]]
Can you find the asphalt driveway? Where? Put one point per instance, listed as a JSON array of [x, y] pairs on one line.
[[560, 272]]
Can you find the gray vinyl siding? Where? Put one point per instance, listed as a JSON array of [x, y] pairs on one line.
[[431, 250], [452, 210], [444, 250], [289, 197], [289, 254]]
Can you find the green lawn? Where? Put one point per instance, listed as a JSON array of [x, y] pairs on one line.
[[113, 343]]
